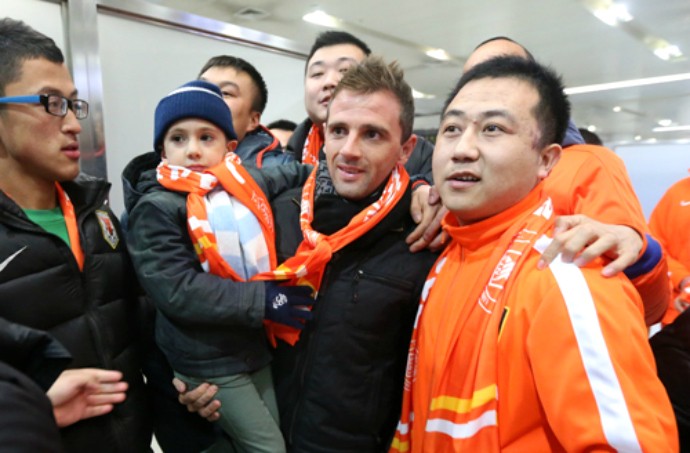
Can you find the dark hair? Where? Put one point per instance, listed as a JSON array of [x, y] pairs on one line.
[[285, 125], [553, 109], [240, 65], [19, 42], [333, 38], [505, 38], [590, 137], [373, 75]]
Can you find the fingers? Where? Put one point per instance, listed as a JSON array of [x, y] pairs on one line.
[[199, 397], [101, 399], [580, 240], [210, 411], [95, 411], [200, 400], [420, 195], [428, 233], [416, 238]]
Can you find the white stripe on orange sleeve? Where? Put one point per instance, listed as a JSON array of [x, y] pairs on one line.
[[608, 394]]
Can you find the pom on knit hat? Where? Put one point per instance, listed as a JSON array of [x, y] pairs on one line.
[[196, 99]]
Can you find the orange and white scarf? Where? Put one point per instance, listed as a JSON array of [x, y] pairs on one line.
[[463, 400], [308, 264], [235, 180], [71, 223], [313, 145]]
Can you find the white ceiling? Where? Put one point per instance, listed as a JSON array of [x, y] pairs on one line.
[[562, 33]]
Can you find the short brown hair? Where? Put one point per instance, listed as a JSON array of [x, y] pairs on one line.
[[373, 75]]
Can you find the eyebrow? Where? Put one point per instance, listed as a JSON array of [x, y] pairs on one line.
[[457, 113], [337, 61], [224, 83], [52, 90]]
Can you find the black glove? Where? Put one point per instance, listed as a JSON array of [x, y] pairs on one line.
[[288, 304]]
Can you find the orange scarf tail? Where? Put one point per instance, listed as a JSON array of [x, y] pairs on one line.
[[313, 145], [308, 264], [72, 227]]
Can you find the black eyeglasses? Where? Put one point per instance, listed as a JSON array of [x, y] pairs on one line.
[[54, 104]]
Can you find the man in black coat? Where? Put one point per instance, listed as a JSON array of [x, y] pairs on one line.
[[63, 266], [339, 386]]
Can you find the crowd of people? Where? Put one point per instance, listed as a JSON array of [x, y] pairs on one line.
[[349, 287]]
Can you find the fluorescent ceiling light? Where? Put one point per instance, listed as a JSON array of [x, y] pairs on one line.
[[671, 128], [319, 17], [438, 54], [419, 95], [592, 128], [638, 138], [613, 14], [617, 108], [668, 52], [628, 83], [665, 122]]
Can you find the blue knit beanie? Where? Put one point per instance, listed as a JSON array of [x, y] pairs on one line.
[[196, 99]]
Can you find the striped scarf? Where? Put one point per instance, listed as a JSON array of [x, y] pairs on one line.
[[463, 400], [236, 181]]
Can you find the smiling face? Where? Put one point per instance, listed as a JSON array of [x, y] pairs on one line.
[[362, 142], [35, 145], [239, 93], [324, 70], [486, 157], [195, 144]]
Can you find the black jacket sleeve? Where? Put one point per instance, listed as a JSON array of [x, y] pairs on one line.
[[169, 269], [27, 423]]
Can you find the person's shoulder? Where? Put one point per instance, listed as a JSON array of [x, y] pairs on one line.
[[589, 153]]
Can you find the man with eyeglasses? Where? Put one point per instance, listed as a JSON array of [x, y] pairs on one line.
[[63, 266]]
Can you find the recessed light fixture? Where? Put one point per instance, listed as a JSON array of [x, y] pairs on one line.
[[665, 122], [322, 18], [672, 128], [592, 128], [438, 54], [617, 109], [638, 138], [668, 52], [419, 95], [612, 14]]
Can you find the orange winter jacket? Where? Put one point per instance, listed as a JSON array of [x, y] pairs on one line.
[[574, 369], [592, 180], [670, 224]]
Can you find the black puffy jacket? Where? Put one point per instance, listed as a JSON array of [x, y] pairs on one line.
[[339, 388], [94, 313]]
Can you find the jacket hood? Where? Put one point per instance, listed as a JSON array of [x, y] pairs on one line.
[[139, 177]]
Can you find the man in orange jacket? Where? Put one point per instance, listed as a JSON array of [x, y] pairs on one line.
[[505, 357], [670, 223], [591, 187]]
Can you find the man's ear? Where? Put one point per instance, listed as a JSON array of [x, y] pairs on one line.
[[407, 149], [232, 145], [549, 157], [254, 121]]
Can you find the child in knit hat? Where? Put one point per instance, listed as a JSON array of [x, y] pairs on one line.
[[199, 236]]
